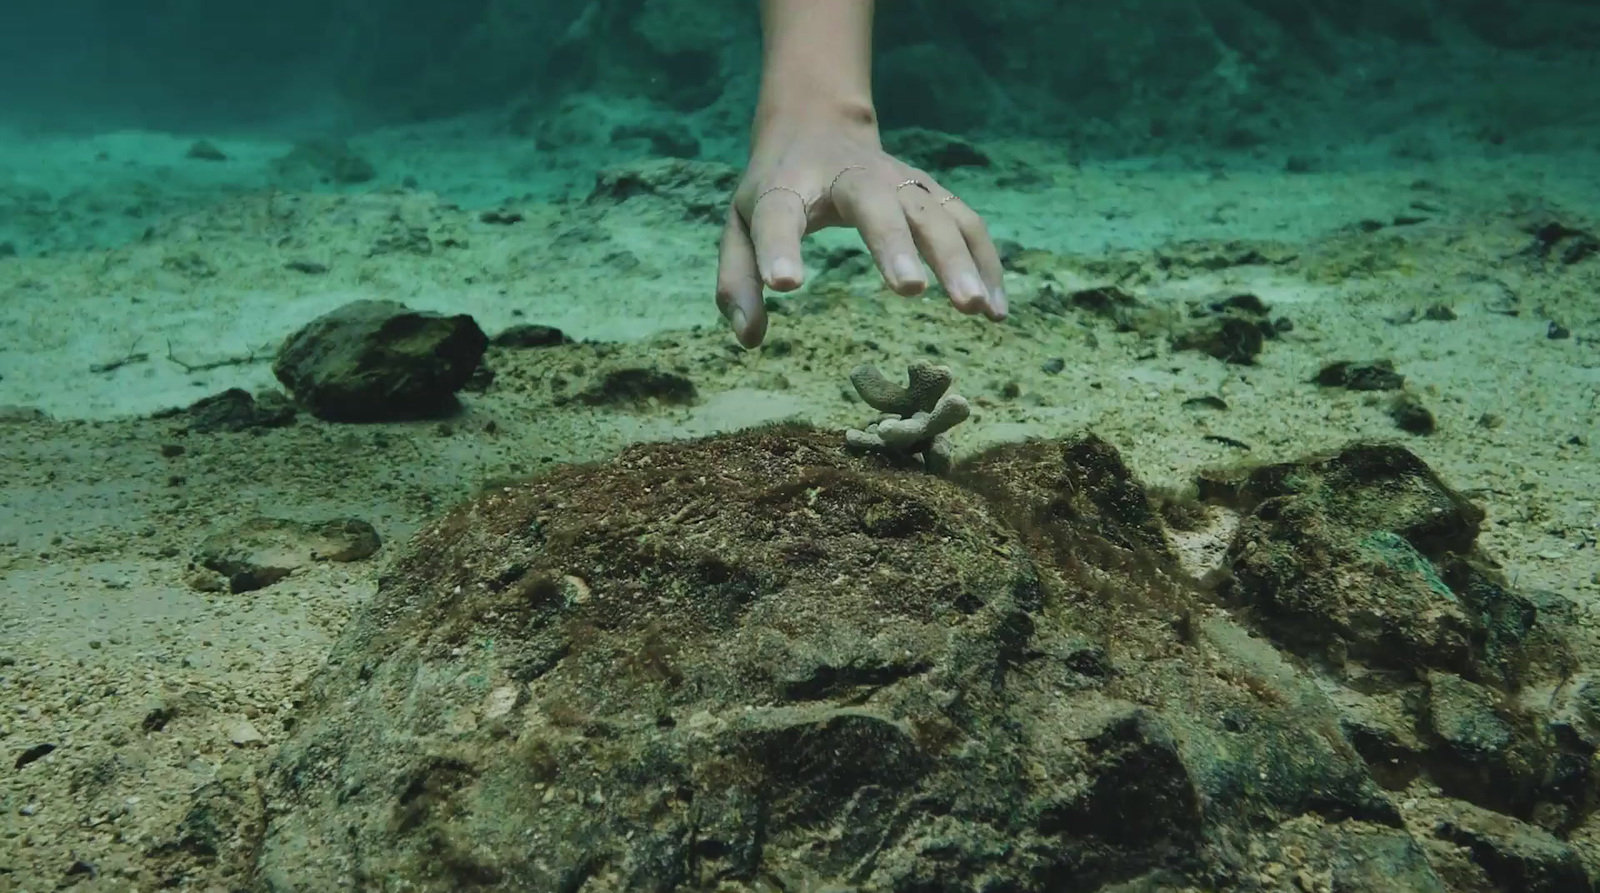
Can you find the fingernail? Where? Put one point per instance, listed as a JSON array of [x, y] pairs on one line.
[[784, 269], [737, 319], [998, 302], [906, 269], [972, 289]]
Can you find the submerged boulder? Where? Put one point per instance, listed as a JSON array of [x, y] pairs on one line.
[[760, 662], [380, 361]]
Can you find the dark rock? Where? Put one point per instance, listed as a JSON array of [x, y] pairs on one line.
[[1386, 602], [1378, 375], [1234, 329], [1228, 338], [260, 552], [1209, 401], [238, 410], [1514, 855], [634, 387], [31, 754], [1411, 416], [1108, 302], [378, 360], [1382, 727], [205, 150], [1484, 753], [1009, 250], [531, 335], [1563, 242], [482, 378], [1366, 562]]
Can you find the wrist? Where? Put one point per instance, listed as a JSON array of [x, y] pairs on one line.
[[778, 116], [816, 72]]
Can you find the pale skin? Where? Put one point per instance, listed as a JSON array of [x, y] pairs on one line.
[[816, 162]]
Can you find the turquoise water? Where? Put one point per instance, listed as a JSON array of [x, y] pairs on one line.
[[281, 285]]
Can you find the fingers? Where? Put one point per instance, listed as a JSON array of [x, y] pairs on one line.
[[777, 224], [739, 283], [976, 234], [945, 247], [873, 209]]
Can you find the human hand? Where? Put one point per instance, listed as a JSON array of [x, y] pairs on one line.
[[810, 176]]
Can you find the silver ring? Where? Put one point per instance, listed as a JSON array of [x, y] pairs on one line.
[[949, 198], [805, 205], [912, 182], [835, 181]]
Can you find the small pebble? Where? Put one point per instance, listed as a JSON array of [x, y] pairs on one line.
[[243, 734]]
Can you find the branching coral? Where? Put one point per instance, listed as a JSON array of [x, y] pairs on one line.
[[916, 416]]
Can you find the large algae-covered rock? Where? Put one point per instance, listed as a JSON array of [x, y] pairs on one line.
[[757, 662], [691, 662]]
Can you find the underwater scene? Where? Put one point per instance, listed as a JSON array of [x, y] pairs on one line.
[[800, 446]]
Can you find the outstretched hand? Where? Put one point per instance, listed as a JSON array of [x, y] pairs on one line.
[[808, 178]]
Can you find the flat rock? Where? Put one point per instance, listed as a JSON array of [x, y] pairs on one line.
[[262, 551]]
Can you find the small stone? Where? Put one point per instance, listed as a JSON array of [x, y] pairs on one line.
[[1378, 375], [205, 150], [1411, 416], [529, 335], [241, 733]]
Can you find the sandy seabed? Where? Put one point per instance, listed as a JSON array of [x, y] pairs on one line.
[[102, 506]]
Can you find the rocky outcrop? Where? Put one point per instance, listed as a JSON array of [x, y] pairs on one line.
[[759, 661]]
